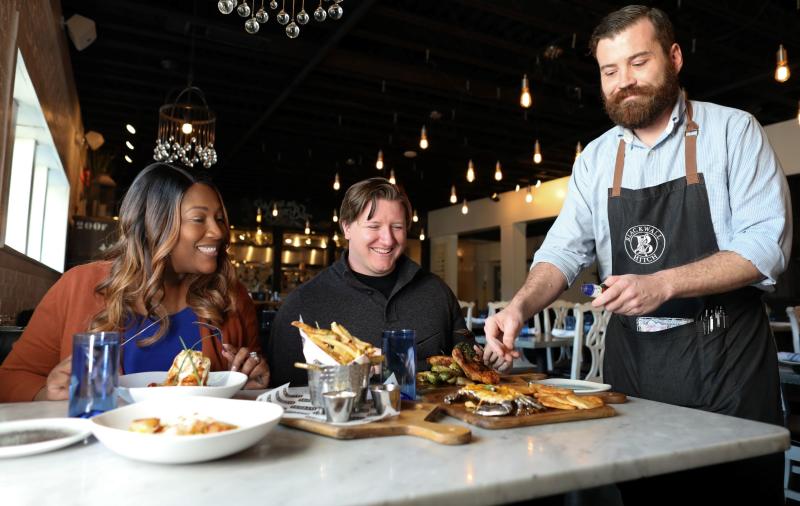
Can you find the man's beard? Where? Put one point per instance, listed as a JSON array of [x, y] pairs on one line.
[[650, 103]]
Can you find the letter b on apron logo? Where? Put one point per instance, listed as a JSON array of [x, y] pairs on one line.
[[644, 244]]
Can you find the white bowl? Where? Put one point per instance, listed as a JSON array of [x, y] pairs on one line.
[[254, 421], [133, 387]]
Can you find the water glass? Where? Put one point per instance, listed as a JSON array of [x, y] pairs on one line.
[[95, 373], [400, 352]]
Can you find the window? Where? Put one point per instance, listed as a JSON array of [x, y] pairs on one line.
[[38, 200]]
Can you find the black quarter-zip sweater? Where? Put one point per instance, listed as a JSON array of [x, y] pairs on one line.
[[420, 301]]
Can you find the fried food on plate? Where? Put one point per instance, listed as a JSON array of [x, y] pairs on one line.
[[183, 426], [556, 402], [189, 368], [466, 358], [585, 401], [439, 360], [339, 343]]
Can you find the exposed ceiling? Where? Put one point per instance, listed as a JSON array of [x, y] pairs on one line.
[[291, 112]]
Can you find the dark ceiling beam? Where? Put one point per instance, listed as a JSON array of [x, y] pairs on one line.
[[322, 53]]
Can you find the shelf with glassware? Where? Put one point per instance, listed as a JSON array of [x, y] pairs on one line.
[[301, 256]]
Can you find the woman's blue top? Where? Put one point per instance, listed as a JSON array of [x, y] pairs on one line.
[[159, 355]]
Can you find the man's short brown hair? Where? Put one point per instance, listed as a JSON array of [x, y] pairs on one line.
[[367, 192], [620, 20]]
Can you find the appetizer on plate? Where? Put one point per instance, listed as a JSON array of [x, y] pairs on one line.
[[182, 426], [500, 400], [339, 343], [189, 368]]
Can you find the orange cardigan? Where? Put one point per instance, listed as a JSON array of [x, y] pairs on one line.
[[68, 307]]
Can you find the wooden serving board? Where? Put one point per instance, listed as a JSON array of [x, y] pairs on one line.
[[507, 422], [415, 419]]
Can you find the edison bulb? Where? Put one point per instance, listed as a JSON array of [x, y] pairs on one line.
[[186, 128]]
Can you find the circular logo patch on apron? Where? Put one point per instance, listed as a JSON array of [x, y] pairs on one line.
[[644, 244]]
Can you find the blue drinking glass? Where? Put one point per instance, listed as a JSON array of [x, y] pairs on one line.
[[400, 352], [95, 373]]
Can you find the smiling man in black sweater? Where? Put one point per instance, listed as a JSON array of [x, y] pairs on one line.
[[373, 287]]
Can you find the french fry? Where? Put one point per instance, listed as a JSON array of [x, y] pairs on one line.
[[339, 343]]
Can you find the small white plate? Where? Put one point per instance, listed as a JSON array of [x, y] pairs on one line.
[[254, 421], [579, 386], [44, 434], [133, 387]]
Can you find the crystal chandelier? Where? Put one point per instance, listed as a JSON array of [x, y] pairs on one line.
[[256, 18], [186, 130]]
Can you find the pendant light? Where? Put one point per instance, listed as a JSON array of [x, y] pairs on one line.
[[336, 184], [307, 230], [470, 171], [782, 72], [335, 237], [415, 218], [422, 234], [423, 138], [275, 209], [525, 99], [392, 179], [537, 152], [516, 188], [258, 215], [528, 195], [453, 197], [464, 207], [379, 161], [498, 172], [335, 216]]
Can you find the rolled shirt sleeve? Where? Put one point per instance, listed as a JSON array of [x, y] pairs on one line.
[[760, 203], [570, 243]]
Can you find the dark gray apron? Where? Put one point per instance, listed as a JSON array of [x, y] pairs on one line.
[[732, 371]]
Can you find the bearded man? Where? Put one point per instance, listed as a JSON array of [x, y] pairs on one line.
[[685, 208]]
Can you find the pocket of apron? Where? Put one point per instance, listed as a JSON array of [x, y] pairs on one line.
[[669, 363]]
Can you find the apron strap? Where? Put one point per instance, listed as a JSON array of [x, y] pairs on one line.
[[690, 149], [618, 166], [690, 146]]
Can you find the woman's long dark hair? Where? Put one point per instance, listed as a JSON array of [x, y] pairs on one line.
[[149, 228]]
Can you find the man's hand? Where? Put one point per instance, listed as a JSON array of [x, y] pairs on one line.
[[501, 331], [57, 387], [633, 294]]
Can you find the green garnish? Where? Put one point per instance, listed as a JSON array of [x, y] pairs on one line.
[[189, 356]]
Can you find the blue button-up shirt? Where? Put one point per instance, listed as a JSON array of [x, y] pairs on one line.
[[747, 191]]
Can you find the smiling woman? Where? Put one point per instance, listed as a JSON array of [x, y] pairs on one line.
[[167, 283]]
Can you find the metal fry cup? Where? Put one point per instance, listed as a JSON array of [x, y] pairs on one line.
[[338, 405], [385, 396]]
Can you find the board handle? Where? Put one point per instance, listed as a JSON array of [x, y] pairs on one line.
[[441, 433]]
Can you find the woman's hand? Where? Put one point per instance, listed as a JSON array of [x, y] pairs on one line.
[[57, 387], [249, 363]]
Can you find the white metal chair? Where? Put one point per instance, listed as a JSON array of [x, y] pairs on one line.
[[555, 327], [469, 306], [595, 341], [794, 317], [497, 305], [593, 337]]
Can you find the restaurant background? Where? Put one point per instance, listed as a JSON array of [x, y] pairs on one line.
[[295, 116]]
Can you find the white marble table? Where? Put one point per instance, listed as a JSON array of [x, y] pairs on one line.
[[291, 467]]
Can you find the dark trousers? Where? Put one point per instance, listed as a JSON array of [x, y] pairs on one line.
[[756, 481]]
